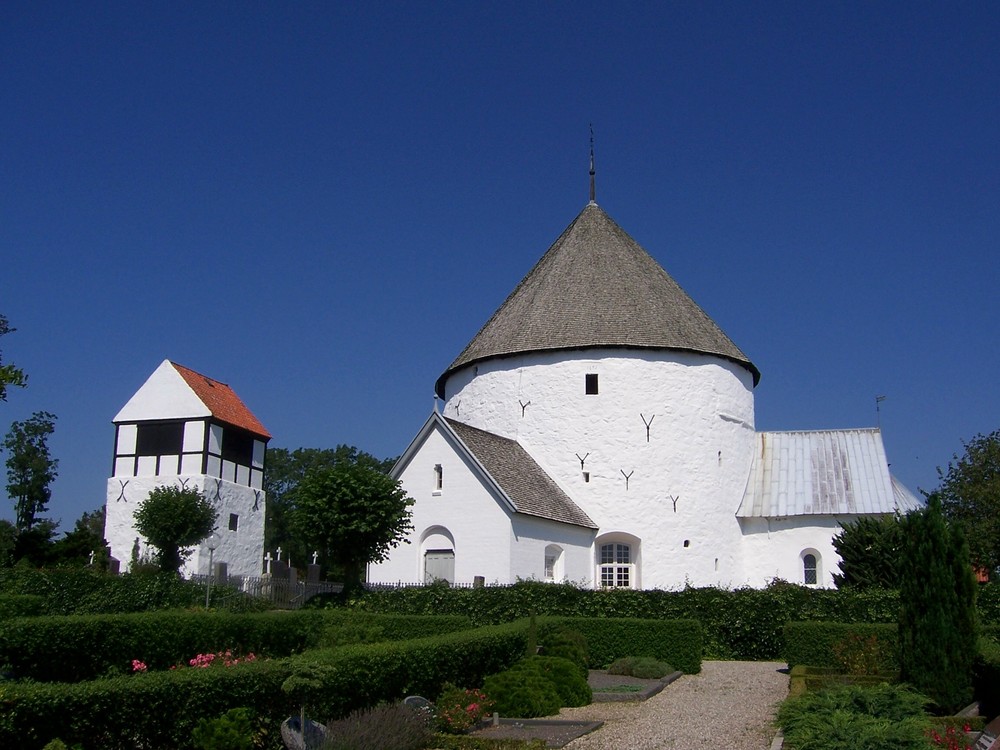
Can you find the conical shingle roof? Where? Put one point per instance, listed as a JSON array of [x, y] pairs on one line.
[[596, 287]]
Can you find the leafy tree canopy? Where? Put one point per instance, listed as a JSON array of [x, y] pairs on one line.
[[352, 514], [173, 519], [30, 467], [283, 471], [869, 553], [970, 498], [9, 375], [87, 536]]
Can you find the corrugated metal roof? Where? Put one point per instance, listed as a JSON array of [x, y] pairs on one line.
[[824, 472], [596, 287]]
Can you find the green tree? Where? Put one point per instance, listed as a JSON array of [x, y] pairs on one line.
[[937, 617], [8, 540], [283, 471], [970, 498], [9, 375], [352, 514], [869, 550], [30, 467], [174, 519], [87, 536]]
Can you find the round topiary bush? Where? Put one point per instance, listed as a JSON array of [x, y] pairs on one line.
[[567, 644], [538, 686], [643, 667]]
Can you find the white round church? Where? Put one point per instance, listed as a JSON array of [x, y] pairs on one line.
[[600, 429]]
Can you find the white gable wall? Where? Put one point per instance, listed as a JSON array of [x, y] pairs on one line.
[[699, 452], [164, 395], [464, 511]]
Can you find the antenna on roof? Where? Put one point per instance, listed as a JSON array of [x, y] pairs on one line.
[[878, 412], [593, 189]]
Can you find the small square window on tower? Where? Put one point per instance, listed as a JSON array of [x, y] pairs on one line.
[[591, 383], [234, 521]]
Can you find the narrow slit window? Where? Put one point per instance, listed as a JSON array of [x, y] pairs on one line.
[[438, 477], [586, 476], [234, 521], [591, 383]]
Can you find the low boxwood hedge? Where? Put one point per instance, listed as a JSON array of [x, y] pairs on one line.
[[677, 642], [827, 644], [160, 709], [83, 647]]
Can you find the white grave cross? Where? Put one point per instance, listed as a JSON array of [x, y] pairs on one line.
[[315, 557], [267, 563]]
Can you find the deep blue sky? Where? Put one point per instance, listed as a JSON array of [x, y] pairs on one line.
[[321, 203]]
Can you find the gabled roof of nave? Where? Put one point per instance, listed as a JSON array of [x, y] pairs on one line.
[[596, 287]]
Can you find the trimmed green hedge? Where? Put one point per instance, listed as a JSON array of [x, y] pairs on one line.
[[677, 642], [815, 643], [160, 709], [83, 647], [744, 623], [20, 605]]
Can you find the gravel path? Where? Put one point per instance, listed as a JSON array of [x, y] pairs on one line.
[[728, 706]]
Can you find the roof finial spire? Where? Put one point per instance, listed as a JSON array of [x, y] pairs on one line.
[[593, 189]]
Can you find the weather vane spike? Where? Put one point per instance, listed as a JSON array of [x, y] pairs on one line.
[[593, 189]]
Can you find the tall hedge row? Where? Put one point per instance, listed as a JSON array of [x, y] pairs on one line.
[[743, 623], [83, 647], [160, 709]]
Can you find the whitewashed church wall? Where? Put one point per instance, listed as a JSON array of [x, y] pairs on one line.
[[463, 510], [684, 483], [242, 550], [774, 548], [531, 538]]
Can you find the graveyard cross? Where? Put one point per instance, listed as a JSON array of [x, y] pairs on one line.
[[315, 557], [91, 558], [279, 554], [267, 563]]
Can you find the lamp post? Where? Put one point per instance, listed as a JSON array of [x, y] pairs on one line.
[[213, 544]]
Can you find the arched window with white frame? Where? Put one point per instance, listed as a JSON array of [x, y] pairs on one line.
[[617, 561], [553, 563], [811, 571]]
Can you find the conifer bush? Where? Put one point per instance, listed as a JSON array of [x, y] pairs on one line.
[[937, 619], [538, 686]]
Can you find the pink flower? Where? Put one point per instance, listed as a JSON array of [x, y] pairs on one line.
[[138, 666]]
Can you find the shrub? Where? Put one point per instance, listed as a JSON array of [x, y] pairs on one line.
[[860, 645], [20, 605], [567, 644], [643, 667], [538, 686], [385, 727], [161, 709], [458, 709], [937, 618], [677, 642], [855, 718], [523, 695], [234, 730]]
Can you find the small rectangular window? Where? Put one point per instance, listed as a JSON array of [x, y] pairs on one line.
[[234, 521], [591, 383], [438, 477], [586, 476]]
